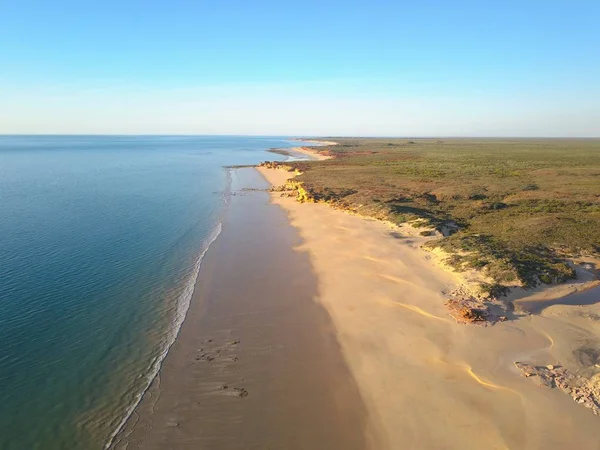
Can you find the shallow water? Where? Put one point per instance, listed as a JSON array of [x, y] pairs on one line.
[[100, 242]]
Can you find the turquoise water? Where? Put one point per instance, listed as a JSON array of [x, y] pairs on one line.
[[100, 244]]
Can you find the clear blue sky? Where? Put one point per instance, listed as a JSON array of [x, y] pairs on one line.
[[443, 68]]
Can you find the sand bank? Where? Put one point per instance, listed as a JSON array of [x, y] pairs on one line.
[[317, 141], [428, 382], [301, 153], [311, 153], [256, 364]]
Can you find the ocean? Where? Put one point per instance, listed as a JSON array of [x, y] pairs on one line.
[[101, 240]]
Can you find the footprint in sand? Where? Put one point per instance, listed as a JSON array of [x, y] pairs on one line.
[[206, 357], [216, 353], [236, 391], [241, 392]]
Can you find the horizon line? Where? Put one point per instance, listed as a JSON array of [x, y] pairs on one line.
[[298, 136]]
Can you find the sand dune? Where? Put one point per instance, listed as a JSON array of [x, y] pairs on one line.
[[428, 382]]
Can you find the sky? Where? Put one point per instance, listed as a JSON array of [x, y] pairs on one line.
[[318, 68]]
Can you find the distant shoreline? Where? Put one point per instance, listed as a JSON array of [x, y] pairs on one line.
[[383, 298], [315, 141], [301, 152], [236, 376], [386, 296]]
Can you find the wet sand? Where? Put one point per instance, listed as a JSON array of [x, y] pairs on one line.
[[332, 334], [428, 382], [257, 364]]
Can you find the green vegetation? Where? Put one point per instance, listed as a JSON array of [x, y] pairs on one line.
[[513, 208]]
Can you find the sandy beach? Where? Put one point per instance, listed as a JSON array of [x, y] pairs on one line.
[[304, 152], [221, 232], [428, 382], [311, 328], [256, 364], [311, 153]]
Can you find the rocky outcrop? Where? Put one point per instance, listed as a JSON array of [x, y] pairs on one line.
[[466, 306], [294, 189], [464, 311], [584, 391], [279, 166]]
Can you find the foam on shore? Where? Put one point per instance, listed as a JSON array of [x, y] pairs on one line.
[[256, 363], [183, 305]]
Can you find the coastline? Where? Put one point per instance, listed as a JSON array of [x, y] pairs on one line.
[[255, 364], [312, 153], [316, 141], [302, 152], [178, 323], [386, 298], [378, 338]]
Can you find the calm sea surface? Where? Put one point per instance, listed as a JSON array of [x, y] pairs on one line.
[[100, 244]]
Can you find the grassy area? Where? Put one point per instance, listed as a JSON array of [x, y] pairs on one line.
[[514, 208]]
